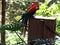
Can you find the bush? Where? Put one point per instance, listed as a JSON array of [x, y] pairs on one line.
[[44, 10], [58, 25]]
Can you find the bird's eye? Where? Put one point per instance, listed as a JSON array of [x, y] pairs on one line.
[[37, 7]]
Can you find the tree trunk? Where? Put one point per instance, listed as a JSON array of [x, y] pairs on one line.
[[3, 22]]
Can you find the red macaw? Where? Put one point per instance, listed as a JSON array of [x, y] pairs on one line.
[[30, 12]]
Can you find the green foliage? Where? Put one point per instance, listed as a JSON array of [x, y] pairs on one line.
[[44, 10], [11, 27], [41, 10], [58, 7], [58, 30], [13, 39], [58, 25], [15, 9]]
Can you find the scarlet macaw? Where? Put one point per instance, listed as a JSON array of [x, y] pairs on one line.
[[30, 12]]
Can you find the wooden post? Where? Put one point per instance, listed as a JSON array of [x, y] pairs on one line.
[[41, 28], [3, 22]]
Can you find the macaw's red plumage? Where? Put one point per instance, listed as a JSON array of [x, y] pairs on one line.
[[33, 7], [30, 11]]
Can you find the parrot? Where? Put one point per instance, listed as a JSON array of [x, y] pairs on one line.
[[22, 24], [30, 12]]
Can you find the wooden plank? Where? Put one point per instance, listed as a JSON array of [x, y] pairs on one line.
[[39, 30]]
